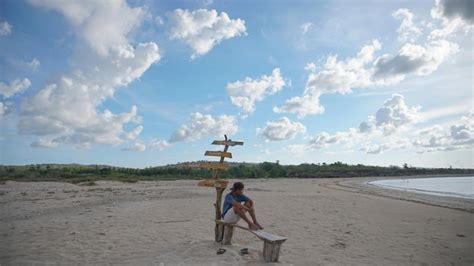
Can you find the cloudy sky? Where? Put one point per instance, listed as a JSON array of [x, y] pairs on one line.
[[143, 83]]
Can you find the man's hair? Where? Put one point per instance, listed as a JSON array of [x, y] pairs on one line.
[[237, 186]]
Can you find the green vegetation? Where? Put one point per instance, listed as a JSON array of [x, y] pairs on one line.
[[87, 174]]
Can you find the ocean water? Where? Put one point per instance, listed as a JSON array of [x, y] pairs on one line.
[[461, 187]]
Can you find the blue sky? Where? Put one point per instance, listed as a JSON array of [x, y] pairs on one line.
[[145, 83]]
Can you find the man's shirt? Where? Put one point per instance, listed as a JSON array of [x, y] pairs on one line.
[[229, 198]]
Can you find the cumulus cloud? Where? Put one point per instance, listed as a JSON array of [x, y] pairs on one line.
[[203, 29], [413, 58], [454, 15], [44, 143], [137, 146], [202, 125], [14, 87], [282, 129], [325, 139], [463, 9], [408, 31], [68, 108], [452, 136], [394, 127], [334, 77], [301, 106], [394, 116], [133, 134], [159, 144], [103, 25], [366, 70], [245, 94], [5, 28]]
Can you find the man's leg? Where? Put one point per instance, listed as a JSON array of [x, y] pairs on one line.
[[249, 205], [241, 212]]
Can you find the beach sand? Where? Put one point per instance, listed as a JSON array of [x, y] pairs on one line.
[[327, 222]]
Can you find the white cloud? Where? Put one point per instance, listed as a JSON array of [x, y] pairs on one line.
[[455, 135], [137, 146], [413, 58], [103, 25], [282, 129], [5, 28], [301, 106], [408, 31], [203, 29], [3, 110], [324, 139], [34, 64], [366, 71], [201, 125], [455, 15], [245, 94], [133, 134], [68, 108], [44, 143], [395, 114], [158, 144], [14, 87], [376, 149], [305, 27], [335, 77]]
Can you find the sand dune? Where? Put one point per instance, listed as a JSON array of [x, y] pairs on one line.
[[327, 221]]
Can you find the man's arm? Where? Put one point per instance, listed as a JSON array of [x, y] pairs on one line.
[[242, 206]]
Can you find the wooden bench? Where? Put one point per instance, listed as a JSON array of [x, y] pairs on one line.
[[271, 242]]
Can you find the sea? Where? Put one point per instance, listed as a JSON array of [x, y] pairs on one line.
[[460, 187]]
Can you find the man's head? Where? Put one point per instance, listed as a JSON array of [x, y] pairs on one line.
[[238, 188]]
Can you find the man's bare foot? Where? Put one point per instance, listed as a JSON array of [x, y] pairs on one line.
[[258, 225], [253, 227]]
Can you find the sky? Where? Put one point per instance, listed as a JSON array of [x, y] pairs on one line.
[[146, 83]]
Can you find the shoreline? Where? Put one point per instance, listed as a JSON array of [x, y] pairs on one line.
[[327, 221], [456, 203]]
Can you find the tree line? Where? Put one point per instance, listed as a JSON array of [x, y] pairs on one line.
[[75, 173]]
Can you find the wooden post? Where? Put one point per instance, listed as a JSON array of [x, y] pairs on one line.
[[228, 233], [220, 231], [271, 251], [218, 228]]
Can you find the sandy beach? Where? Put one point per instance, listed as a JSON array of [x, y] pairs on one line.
[[327, 222]]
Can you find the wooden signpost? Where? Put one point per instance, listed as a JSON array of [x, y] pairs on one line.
[[219, 184], [223, 231]]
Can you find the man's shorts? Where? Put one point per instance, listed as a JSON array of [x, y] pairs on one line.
[[231, 217]]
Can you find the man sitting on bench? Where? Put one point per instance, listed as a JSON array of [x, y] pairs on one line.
[[233, 208]]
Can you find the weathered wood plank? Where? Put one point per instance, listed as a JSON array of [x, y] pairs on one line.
[[265, 236], [227, 142], [217, 183], [221, 166], [218, 154]]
